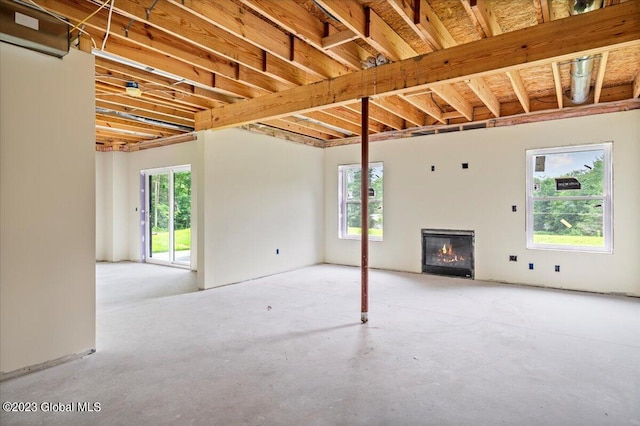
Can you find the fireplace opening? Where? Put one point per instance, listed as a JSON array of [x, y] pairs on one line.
[[448, 252]]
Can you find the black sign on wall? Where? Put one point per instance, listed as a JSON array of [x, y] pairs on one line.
[[564, 184]]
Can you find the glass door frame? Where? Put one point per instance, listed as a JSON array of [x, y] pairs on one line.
[[146, 243]]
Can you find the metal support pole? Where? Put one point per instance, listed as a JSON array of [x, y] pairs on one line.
[[364, 200]]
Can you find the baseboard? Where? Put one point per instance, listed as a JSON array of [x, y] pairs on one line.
[[48, 364]]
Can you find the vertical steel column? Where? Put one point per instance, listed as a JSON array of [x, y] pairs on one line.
[[364, 210]]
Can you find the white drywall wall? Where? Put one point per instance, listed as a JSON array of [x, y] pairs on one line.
[[47, 242], [104, 221], [251, 195], [480, 199], [261, 194], [111, 206]]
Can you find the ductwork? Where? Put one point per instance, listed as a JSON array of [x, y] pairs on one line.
[[581, 68]]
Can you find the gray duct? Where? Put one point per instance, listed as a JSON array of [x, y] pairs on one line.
[[581, 68]]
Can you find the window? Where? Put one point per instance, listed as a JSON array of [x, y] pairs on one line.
[[569, 198], [349, 191]]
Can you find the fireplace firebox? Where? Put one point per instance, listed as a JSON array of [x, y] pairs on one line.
[[448, 252]]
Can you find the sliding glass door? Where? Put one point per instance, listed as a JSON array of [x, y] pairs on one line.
[[168, 224]]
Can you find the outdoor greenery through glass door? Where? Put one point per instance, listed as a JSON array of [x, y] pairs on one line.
[[170, 216]]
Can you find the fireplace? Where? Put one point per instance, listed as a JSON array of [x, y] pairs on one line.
[[447, 252]]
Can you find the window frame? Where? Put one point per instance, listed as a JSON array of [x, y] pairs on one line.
[[606, 197], [343, 201]]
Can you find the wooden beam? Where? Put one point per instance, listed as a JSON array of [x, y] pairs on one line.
[[473, 18], [402, 109], [115, 106], [124, 72], [235, 19], [338, 122], [585, 34], [170, 19], [296, 128], [482, 91], [511, 120], [602, 67], [519, 89], [543, 14], [427, 18], [406, 10], [305, 121], [381, 115], [338, 38], [431, 26], [298, 21], [486, 17], [127, 124], [285, 135], [118, 88], [368, 25], [557, 82], [455, 99], [636, 86], [217, 83], [354, 117], [426, 104]]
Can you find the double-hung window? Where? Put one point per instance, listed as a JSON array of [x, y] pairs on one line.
[[569, 198], [349, 196]]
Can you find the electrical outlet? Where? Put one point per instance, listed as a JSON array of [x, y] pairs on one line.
[[277, 251], [557, 268], [514, 208], [465, 165], [433, 168], [513, 258], [531, 266]]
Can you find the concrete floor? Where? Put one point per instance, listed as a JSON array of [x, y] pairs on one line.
[[289, 350]]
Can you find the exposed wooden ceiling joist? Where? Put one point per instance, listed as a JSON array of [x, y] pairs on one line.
[[585, 34], [189, 56]]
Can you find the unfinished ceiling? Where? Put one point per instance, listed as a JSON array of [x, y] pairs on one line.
[[167, 67]]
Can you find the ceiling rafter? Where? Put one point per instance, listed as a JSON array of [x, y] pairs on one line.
[[332, 120], [291, 16], [136, 124], [483, 8], [601, 30], [367, 25], [425, 103], [472, 16], [109, 69], [168, 18], [144, 112], [298, 21], [306, 121], [402, 109], [444, 39], [557, 82], [602, 68], [519, 89], [455, 99], [105, 122], [486, 17], [297, 127], [230, 17], [543, 13], [194, 56]]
